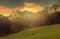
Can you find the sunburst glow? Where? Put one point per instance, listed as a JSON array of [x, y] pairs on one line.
[[4, 11], [31, 7]]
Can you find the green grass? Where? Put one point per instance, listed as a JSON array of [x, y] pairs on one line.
[[44, 32]]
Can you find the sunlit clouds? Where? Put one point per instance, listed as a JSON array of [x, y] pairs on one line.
[[5, 11], [31, 7]]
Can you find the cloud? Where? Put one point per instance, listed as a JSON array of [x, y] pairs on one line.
[[4, 11], [6, 4], [14, 3]]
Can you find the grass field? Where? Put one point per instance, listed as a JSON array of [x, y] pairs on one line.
[[43, 32]]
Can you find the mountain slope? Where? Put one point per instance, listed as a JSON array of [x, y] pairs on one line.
[[45, 32]]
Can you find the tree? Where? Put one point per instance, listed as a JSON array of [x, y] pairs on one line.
[[53, 6], [53, 18], [5, 25]]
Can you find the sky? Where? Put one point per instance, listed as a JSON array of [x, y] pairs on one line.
[[14, 3], [5, 4]]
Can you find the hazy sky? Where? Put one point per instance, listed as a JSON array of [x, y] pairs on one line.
[[5, 4], [14, 3]]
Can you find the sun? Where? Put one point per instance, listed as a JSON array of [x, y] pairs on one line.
[[31, 7]]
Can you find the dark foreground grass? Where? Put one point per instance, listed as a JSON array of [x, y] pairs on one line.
[[45, 32]]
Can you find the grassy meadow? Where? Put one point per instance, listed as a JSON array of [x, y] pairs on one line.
[[43, 32]]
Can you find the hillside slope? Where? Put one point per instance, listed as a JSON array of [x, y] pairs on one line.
[[45, 32]]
